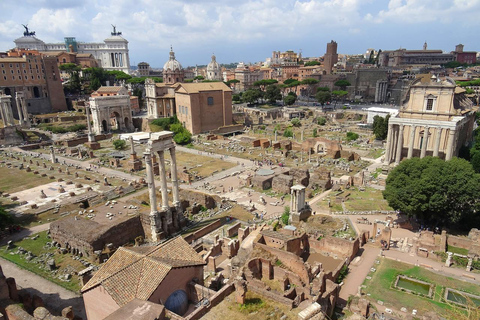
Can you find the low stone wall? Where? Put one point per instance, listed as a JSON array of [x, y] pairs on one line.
[[270, 295], [233, 230], [214, 300], [203, 231]]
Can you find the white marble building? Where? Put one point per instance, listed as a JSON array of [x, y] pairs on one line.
[[111, 54]]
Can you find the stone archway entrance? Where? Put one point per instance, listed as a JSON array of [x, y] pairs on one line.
[[115, 121], [127, 124], [104, 126]]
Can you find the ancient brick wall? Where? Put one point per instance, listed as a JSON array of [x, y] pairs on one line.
[[345, 248], [289, 260], [282, 183], [205, 200], [214, 300], [300, 176], [262, 182], [233, 230]]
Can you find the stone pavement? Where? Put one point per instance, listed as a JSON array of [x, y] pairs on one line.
[[55, 297]]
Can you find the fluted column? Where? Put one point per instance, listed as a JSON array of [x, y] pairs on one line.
[[150, 183], [19, 109], [2, 111], [163, 179], [436, 148], [173, 169], [411, 141], [387, 147], [393, 151], [26, 118], [423, 152], [52, 154], [398, 156], [451, 140]]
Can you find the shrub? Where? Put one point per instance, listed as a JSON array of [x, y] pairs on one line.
[[315, 133], [321, 121], [285, 215], [119, 144], [296, 122], [288, 133], [343, 273], [351, 136]]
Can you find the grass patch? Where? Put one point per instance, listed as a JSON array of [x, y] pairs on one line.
[[13, 180], [380, 287], [39, 249], [457, 250], [370, 199]]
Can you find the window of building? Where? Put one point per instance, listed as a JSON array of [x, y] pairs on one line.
[[429, 104], [4, 77], [210, 101]]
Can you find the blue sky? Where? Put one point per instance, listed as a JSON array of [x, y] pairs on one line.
[[246, 30]]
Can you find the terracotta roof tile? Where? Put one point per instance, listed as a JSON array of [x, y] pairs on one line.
[[137, 272]]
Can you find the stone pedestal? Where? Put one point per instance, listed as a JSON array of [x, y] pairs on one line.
[[94, 145]]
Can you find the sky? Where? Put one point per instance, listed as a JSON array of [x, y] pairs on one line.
[[246, 30]]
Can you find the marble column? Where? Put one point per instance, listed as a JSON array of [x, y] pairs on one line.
[[411, 141], [7, 111], [389, 142], [150, 182], [394, 144], [26, 118], [173, 169], [436, 148], [163, 179], [423, 152], [132, 146], [398, 156], [451, 140], [152, 195], [91, 136], [19, 109], [3, 112], [52, 154]]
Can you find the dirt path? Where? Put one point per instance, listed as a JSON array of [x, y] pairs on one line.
[[357, 273], [55, 297], [24, 233]]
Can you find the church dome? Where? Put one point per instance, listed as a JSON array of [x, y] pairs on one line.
[[213, 65], [172, 63]]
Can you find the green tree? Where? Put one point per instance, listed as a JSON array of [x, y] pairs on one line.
[[285, 215], [327, 89], [351, 136], [321, 121], [312, 63], [262, 84], [323, 97], [296, 122], [74, 85], [288, 133], [119, 75], [272, 93], [289, 100], [199, 78], [380, 127], [251, 95], [436, 191], [339, 94], [342, 84], [181, 134], [119, 144], [6, 219], [310, 83], [236, 97]]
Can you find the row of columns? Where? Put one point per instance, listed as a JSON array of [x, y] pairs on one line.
[[394, 148], [6, 111], [163, 184]]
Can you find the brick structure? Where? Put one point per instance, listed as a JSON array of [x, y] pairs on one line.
[[146, 273], [282, 183]]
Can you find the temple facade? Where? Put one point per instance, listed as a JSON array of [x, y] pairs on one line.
[[435, 120]]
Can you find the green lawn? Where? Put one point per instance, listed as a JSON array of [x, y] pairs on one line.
[[37, 247], [13, 180], [458, 250], [370, 199], [380, 287]]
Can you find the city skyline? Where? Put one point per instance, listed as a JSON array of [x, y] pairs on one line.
[[246, 31]]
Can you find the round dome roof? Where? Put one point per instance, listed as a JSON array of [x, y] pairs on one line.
[[177, 302], [213, 65], [172, 63]]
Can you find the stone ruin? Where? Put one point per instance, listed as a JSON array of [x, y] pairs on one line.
[[166, 221], [20, 305]]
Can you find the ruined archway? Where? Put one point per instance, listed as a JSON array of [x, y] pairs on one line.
[[104, 126], [115, 121]]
